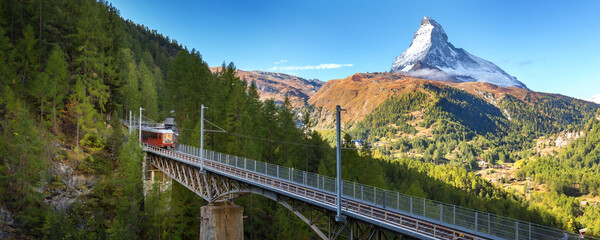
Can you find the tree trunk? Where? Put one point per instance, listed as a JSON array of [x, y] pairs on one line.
[[12, 25], [306, 156], [77, 139], [40, 37], [365, 176], [54, 125], [41, 113]]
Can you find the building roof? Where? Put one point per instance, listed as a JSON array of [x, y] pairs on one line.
[[157, 130]]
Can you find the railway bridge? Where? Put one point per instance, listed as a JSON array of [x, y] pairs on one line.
[[369, 212]]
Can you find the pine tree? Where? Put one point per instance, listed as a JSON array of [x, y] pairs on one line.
[[131, 76], [176, 85], [90, 56], [57, 74], [22, 163], [7, 53], [39, 91], [27, 59], [250, 125], [127, 223], [83, 112], [149, 98]]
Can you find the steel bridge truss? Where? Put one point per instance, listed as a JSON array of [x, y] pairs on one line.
[[211, 187], [322, 221], [216, 188]]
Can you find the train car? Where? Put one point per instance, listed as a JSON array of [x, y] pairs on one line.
[[159, 137]]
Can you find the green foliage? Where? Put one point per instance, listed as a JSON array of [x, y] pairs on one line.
[[458, 186], [149, 98], [576, 168], [465, 109], [27, 60], [160, 217], [127, 223], [39, 91], [458, 122], [545, 114], [79, 58], [130, 74], [394, 111], [57, 73], [452, 115], [92, 141], [7, 53], [115, 139], [22, 161]]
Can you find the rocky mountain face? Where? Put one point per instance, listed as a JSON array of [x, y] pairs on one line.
[[431, 56], [276, 85]]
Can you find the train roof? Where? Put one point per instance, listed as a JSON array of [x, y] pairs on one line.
[[157, 130]]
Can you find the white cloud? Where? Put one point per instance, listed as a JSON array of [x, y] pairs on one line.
[[280, 61], [595, 98], [431, 74], [309, 67]]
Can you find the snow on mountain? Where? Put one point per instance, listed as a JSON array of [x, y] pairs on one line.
[[431, 56], [595, 99]]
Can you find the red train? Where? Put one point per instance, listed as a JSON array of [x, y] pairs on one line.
[[159, 137]]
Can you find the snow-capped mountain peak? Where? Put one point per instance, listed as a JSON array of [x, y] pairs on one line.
[[431, 56]]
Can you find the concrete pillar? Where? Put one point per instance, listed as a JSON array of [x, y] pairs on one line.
[[222, 221]]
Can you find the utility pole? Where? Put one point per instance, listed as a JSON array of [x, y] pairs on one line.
[[339, 217], [140, 130], [202, 107]]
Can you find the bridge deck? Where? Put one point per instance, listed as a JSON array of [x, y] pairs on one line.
[[397, 212]]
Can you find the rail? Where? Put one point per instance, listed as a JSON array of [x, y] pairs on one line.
[[432, 218]]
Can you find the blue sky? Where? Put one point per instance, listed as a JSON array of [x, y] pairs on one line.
[[551, 46]]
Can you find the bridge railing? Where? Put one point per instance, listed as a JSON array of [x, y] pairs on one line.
[[449, 215]]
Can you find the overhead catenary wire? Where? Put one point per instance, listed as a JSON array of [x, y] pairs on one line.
[[268, 140], [216, 131], [221, 130]]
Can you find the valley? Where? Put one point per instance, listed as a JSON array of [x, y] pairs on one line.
[[494, 132]]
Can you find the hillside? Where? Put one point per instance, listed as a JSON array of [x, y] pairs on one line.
[[361, 93], [461, 123], [276, 86], [496, 132]]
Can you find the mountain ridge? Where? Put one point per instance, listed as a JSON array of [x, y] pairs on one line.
[[361, 93], [276, 86]]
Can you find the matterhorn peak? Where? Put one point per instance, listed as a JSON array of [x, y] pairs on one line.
[[427, 21], [431, 56]]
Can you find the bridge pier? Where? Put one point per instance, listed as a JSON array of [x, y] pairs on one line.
[[222, 220], [151, 175]]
